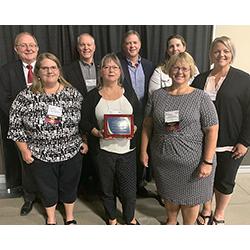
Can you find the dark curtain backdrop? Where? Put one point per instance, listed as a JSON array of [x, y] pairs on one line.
[[61, 40]]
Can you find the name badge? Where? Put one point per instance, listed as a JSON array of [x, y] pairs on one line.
[[172, 120], [90, 84], [54, 115]]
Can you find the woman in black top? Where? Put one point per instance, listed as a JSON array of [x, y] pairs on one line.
[[116, 157], [229, 88]]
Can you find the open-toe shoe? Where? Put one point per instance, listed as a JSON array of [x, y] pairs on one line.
[[218, 222], [204, 219]]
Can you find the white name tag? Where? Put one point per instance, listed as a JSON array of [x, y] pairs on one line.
[[172, 116], [91, 82], [172, 121], [54, 111]]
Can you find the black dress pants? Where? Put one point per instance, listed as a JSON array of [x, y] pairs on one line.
[[117, 173]]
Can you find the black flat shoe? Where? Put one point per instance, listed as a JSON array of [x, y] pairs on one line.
[[137, 223], [26, 208], [166, 223], [107, 223], [70, 222], [46, 223]]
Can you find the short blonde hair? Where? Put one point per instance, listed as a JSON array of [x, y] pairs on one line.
[[183, 57], [115, 59], [226, 41]]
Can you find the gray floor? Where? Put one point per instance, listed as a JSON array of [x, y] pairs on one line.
[[148, 211]]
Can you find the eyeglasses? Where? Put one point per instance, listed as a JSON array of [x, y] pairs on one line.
[[183, 69], [26, 46], [115, 68], [52, 68]]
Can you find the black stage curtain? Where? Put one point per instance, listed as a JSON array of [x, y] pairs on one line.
[[61, 40]]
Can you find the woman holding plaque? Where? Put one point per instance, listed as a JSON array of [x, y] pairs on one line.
[[44, 123], [110, 116], [182, 125]]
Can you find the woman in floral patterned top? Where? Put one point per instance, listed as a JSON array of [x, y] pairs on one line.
[[44, 123]]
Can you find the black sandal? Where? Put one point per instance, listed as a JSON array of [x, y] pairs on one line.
[[70, 222], [218, 222], [206, 219]]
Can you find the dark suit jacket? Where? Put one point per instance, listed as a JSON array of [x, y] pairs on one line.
[[12, 81], [148, 69], [73, 74]]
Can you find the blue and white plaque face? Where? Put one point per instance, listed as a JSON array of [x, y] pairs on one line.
[[117, 125]]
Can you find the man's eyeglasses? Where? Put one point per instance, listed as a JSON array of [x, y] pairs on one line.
[[177, 69], [26, 46]]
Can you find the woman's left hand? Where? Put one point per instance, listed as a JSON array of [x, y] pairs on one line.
[[84, 148], [131, 137], [204, 170], [239, 150]]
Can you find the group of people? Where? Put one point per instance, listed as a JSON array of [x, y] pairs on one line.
[[190, 131]]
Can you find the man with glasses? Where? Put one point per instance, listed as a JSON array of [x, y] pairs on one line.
[[14, 77], [82, 74]]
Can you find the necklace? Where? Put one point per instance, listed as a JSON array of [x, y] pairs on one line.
[[180, 91], [52, 92]]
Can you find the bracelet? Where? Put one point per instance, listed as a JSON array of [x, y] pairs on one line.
[[207, 162]]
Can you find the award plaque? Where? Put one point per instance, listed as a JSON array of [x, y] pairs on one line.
[[118, 125]]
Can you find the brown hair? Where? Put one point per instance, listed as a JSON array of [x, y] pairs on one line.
[[128, 33], [176, 36], [37, 85]]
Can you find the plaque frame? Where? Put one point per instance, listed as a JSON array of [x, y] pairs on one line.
[[113, 135]]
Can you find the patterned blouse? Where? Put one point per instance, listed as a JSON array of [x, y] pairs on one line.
[[51, 137]]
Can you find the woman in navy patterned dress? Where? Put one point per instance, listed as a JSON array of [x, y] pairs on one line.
[[44, 121], [182, 124]]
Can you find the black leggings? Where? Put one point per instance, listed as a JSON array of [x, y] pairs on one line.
[[226, 171]]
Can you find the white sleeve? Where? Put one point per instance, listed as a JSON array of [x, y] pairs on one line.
[[155, 81], [196, 74]]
